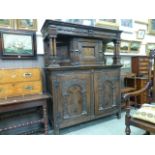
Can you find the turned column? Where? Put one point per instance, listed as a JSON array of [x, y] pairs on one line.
[[116, 57], [50, 44]]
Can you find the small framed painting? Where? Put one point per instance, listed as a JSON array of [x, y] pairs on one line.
[[151, 26], [140, 34], [27, 24], [7, 23], [110, 47], [149, 46], [126, 25], [107, 23], [16, 45], [135, 46], [124, 47], [141, 21]]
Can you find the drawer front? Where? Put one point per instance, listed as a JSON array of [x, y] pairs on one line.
[[143, 72], [143, 68], [8, 90], [32, 74], [8, 76], [19, 75], [20, 89], [143, 59], [27, 88]]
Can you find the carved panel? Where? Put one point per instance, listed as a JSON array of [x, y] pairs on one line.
[[107, 90], [86, 51], [74, 97], [106, 101]]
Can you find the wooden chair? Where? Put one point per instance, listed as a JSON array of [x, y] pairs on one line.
[[128, 85], [130, 120]]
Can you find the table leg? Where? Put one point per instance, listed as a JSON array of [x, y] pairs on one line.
[[45, 118]]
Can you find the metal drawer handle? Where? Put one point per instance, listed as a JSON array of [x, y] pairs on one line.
[[27, 75], [28, 87]]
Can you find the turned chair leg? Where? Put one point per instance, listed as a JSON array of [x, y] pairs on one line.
[[127, 130], [127, 118]]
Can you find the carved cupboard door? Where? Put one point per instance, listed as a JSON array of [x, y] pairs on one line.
[[73, 98], [107, 92]]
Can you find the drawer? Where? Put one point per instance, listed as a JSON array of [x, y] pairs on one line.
[[8, 90], [144, 65], [28, 88], [20, 89], [8, 76], [19, 75], [143, 68], [143, 59], [143, 72], [32, 74]]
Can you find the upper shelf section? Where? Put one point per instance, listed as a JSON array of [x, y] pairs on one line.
[[52, 27], [74, 44]]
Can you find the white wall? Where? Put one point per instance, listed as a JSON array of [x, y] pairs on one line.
[[40, 48], [131, 35]]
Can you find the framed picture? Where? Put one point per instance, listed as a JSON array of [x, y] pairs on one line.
[[135, 46], [125, 46], [126, 25], [89, 22], [18, 45], [140, 34], [107, 23], [6, 23], [27, 24], [141, 21], [149, 46], [110, 47], [151, 26]]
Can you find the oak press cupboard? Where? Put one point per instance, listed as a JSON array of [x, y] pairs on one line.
[[82, 86]]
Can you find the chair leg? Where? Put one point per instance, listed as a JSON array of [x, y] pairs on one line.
[[127, 130]]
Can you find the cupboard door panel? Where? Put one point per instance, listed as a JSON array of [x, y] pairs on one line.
[[74, 98], [107, 91]]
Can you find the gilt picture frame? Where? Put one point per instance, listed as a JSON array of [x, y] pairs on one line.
[[107, 23], [27, 24], [135, 47], [149, 46], [126, 25], [124, 46], [7, 23], [18, 45], [151, 26], [110, 47], [141, 21], [140, 34]]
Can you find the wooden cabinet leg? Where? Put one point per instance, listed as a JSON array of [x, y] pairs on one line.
[[147, 133], [118, 115], [56, 131]]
